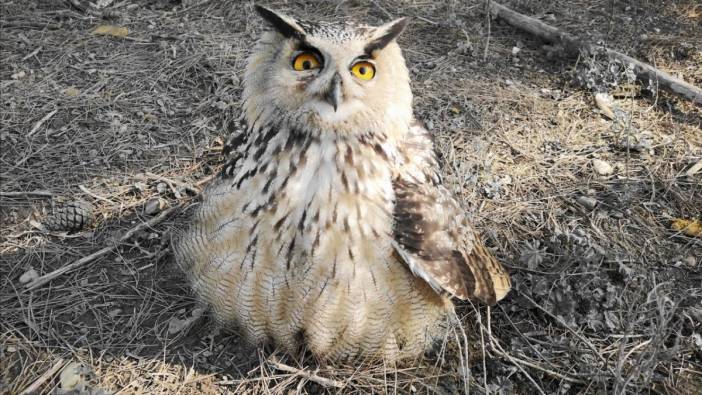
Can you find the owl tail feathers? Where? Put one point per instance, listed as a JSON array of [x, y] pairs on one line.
[[490, 281], [472, 274]]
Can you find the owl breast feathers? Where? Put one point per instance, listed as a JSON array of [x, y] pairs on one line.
[[329, 228]]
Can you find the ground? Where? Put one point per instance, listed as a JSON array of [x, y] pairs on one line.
[[606, 292]]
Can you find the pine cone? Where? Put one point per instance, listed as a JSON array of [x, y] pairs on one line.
[[70, 217]]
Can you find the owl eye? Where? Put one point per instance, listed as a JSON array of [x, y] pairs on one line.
[[363, 70], [306, 61]]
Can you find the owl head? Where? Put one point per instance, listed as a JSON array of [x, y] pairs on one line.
[[335, 77]]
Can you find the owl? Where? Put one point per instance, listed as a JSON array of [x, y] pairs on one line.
[[329, 229]]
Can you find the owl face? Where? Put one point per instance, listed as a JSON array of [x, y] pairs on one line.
[[330, 75]]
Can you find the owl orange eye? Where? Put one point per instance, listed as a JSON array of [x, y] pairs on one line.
[[306, 61], [363, 70]]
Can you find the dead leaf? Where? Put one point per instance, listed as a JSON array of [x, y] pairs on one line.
[[605, 103], [111, 30], [689, 227], [694, 169], [71, 92]]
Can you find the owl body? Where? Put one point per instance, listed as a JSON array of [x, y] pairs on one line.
[[329, 228]]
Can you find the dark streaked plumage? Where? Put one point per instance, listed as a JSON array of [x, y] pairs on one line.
[[329, 227]]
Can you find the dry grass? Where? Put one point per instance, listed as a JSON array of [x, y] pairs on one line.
[[606, 300]]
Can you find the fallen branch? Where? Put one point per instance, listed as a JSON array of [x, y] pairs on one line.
[[574, 46], [40, 193], [34, 387], [38, 282], [324, 382]]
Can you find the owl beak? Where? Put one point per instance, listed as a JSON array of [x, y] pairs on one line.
[[334, 95]]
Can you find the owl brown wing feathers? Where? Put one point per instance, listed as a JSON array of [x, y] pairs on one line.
[[433, 235]]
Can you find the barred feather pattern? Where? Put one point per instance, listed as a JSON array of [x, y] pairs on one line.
[[294, 244], [331, 229]]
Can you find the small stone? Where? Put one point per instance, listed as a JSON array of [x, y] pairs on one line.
[[691, 261], [176, 325], [161, 187], [515, 51], [602, 168], [587, 202], [28, 276], [154, 206]]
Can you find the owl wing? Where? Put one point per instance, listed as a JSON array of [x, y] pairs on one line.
[[432, 234]]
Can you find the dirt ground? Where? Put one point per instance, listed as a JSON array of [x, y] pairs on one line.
[[607, 291]]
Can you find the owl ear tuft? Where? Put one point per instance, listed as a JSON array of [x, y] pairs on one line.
[[385, 34], [283, 24]]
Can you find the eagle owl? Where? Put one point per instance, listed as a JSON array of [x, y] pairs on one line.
[[330, 228]]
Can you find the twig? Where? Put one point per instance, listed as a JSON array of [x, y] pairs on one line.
[[324, 382], [41, 122], [171, 181], [96, 196], [75, 265], [382, 9], [487, 40], [36, 51], [518, 361], [38, 193], [206, 179], [497, 347], [34, 387], [574, 46], [186, 9], [567, 327]]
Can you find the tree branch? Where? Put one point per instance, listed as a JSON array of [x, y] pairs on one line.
[[574, 46]]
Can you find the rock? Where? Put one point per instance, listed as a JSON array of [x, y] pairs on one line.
[[154, 206], [28, 276], [602, 168], [176, 325], [587, 202]]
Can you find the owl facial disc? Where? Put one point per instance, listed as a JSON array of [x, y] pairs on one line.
[[338, 76]]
